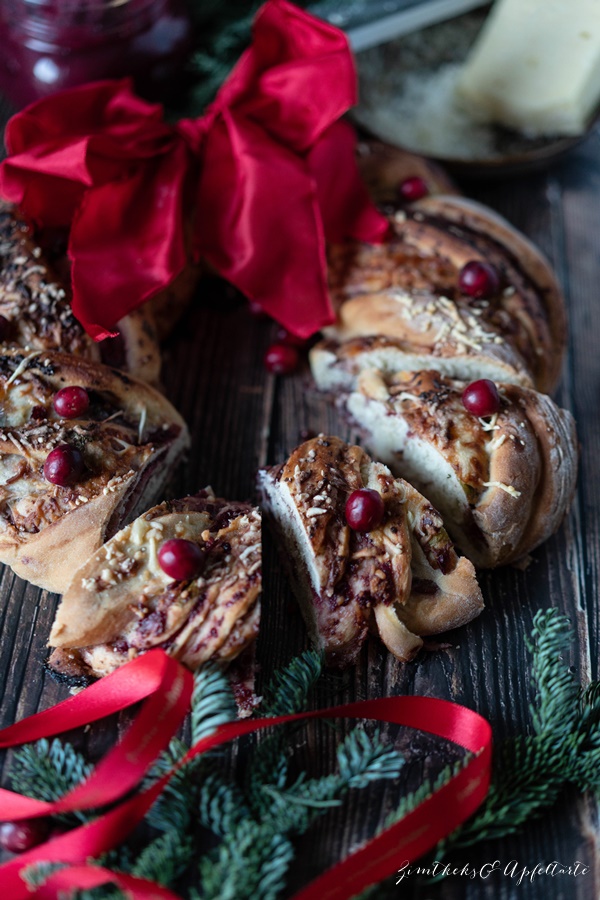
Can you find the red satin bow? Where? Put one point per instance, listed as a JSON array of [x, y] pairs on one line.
[[269, 173], [167, 687]]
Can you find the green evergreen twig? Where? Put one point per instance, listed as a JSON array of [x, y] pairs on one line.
[[254, 819]]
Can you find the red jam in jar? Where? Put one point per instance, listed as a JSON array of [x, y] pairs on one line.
[[49, 45]]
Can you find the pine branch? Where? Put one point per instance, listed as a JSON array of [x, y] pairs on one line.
[[530, 772], [165, 858], [37, 874], [411, 800], [104, 892], [48, 770], [288, 690], [555, 709], [213, 703], [174, 808], [286, 694], [222, 805], [251, 863], [361, 761]]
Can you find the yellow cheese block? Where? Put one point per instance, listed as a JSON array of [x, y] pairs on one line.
[[535, 66]]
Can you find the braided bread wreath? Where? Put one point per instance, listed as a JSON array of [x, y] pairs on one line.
[[405, 344]]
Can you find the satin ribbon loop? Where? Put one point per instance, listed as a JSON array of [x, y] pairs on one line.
[[103, 162], [166, 688]]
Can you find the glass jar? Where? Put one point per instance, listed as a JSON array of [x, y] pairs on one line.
[[48, 45]]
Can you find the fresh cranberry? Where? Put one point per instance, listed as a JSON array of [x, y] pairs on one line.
[[478, 279], [481, 398], [64, 465], [16, 837], [281, 359], [180, 559], [364, 510], [71, 402], [286, 337], [4, 328], [413, 188]]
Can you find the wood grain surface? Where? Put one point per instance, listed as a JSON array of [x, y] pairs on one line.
[[241, 417]]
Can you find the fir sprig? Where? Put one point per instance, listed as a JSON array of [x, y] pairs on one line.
[[47, 770], [361, 760], [531, 771], [285, 694], [254, 820], [251, 862], [223, 33], [213, 703]]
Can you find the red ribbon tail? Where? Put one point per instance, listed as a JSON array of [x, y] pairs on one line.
[[168, 686]]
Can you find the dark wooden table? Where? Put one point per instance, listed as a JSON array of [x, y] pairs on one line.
[[241, 417]]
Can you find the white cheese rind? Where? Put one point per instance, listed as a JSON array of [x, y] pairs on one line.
[[535, 66]]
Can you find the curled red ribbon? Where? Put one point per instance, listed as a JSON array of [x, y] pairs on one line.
[[167, 687], [263, 179]]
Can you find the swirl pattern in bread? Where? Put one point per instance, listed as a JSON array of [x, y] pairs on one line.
[[402, 578], [407, 290], [35, 298], [130, 438], [120, 603], [502, 483]]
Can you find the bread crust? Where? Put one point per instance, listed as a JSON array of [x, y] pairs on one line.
[[407, 290], [349, 582], [35, 297], [509, 478], [120, 603], [477, 217], [130, 438]]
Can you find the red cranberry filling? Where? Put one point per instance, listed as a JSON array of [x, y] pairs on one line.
[[478, 279], [71, 402], [413, 188], [281, 359], [481, 398], [364, 510], [16, 837], [180, 559], [64, 465]]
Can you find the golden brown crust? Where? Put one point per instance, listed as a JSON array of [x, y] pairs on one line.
[[352, 581], [444, 592], [338, 365], [120, 603], [502, 483], [477, 217], [319, 476], [35, 297], [407, 289], [129, 439], [556, 436]]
